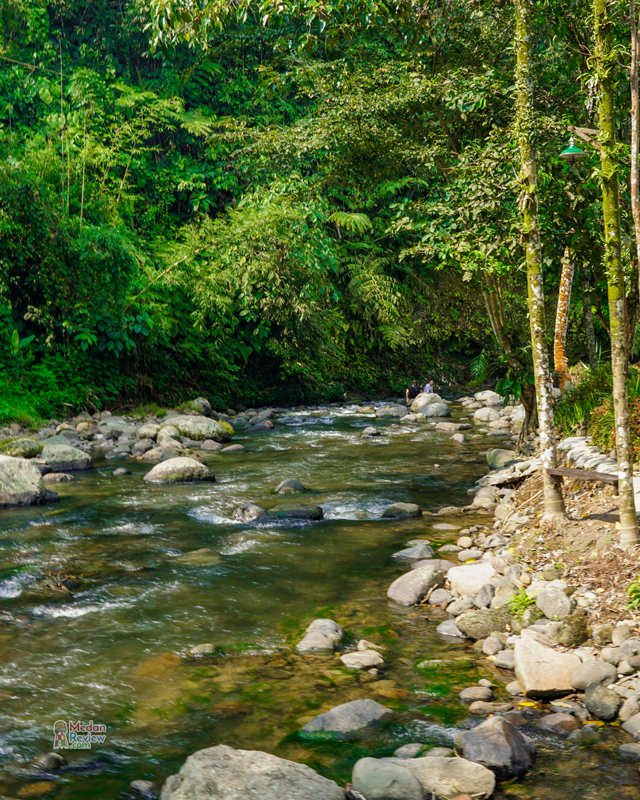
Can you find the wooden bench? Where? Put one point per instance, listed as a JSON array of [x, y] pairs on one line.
[[583, 475]]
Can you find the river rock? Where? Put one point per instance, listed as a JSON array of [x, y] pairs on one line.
[[590, 672], [144, 789], [506, 659], [248, 512], [50, 762], [21, 448], [632, 726], [148, 431], [629, 648], [391, 411], [499, 746], [629, 708], [602, 702], [469, 579], [197, 427], [413, 587], [321, 634], [353, 720], [58, 477], [381, 780], [482, 709], [486, 415], [290, 486], [293, 511], [64, 458], [439, 563], [543, 672], [201, 405], [440, 596], [223, 773], [499, 459], [402, 511], [553, 603], [460, 605], [179, 470], [480, 624], [213, 446], [560, 723], [370, 431], [492, 645], [410, 750], [573, 631], [473, 693], [21, 482], [447, 777], [620, 634], [485, 596], [630, 750], [435, 410], [362, 660], [423, 400], [449, 628], [460, 438], [415, 553]]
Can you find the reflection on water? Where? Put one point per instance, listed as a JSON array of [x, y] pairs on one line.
[[158, 570]]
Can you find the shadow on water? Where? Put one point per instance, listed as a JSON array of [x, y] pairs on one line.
[[160, 569]]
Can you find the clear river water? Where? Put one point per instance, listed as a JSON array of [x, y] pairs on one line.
[[161, 569]]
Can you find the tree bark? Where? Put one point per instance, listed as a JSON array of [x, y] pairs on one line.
[[605, 67], [587, 317], [553, 500], [635, 127], [561, 362]]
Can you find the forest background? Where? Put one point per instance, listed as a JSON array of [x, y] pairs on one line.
[[261, 222]]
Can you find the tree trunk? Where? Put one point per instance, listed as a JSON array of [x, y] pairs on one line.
[[587, 317], [561, 362], [635, 127], [605, 67], [553, 501], [530, 421]]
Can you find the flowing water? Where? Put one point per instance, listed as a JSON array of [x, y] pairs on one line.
[[163, 568]]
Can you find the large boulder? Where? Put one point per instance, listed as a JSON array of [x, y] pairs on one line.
[[498, 745], [21, 482], [543, 672], [411, 588], [222, 773], [469, 579], [21, 448], [198, 427], [382, 780], [179, 470], [402, 511], [479, 624], [64, 458], [435, 410], [423, 400], [488, 396], [353, 720]]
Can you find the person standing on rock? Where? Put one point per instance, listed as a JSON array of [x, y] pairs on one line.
[[428, 387], [412, 392]]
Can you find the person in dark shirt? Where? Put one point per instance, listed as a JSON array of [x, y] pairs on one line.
[[412, 392]]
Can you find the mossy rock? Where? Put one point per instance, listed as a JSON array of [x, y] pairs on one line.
[[24, 447], [480, 624], [227, 427], [573, 630]]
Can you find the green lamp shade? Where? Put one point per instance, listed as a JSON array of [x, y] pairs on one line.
[[573, 154]]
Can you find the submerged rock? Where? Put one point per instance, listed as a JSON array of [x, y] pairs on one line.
[[179, 470], [296, 512], [498, 745], [290, 486], [222, 773], [402, 511], [353, 720], [415, 553], [248, 512], [58, 477], [370, 431], [21, 482]]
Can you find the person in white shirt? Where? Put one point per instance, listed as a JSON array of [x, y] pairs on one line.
[[428, 388]]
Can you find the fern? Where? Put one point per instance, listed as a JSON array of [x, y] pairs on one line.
[[480, 367], [357, 223]]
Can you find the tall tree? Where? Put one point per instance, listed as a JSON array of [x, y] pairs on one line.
[[606, 62], [553, 500]]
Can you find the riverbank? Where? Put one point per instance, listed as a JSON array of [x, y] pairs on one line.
[[164, 569]]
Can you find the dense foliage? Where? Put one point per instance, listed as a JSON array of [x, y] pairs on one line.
[[275, 208]]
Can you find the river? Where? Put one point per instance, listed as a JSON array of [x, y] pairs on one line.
[[161, 569]]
